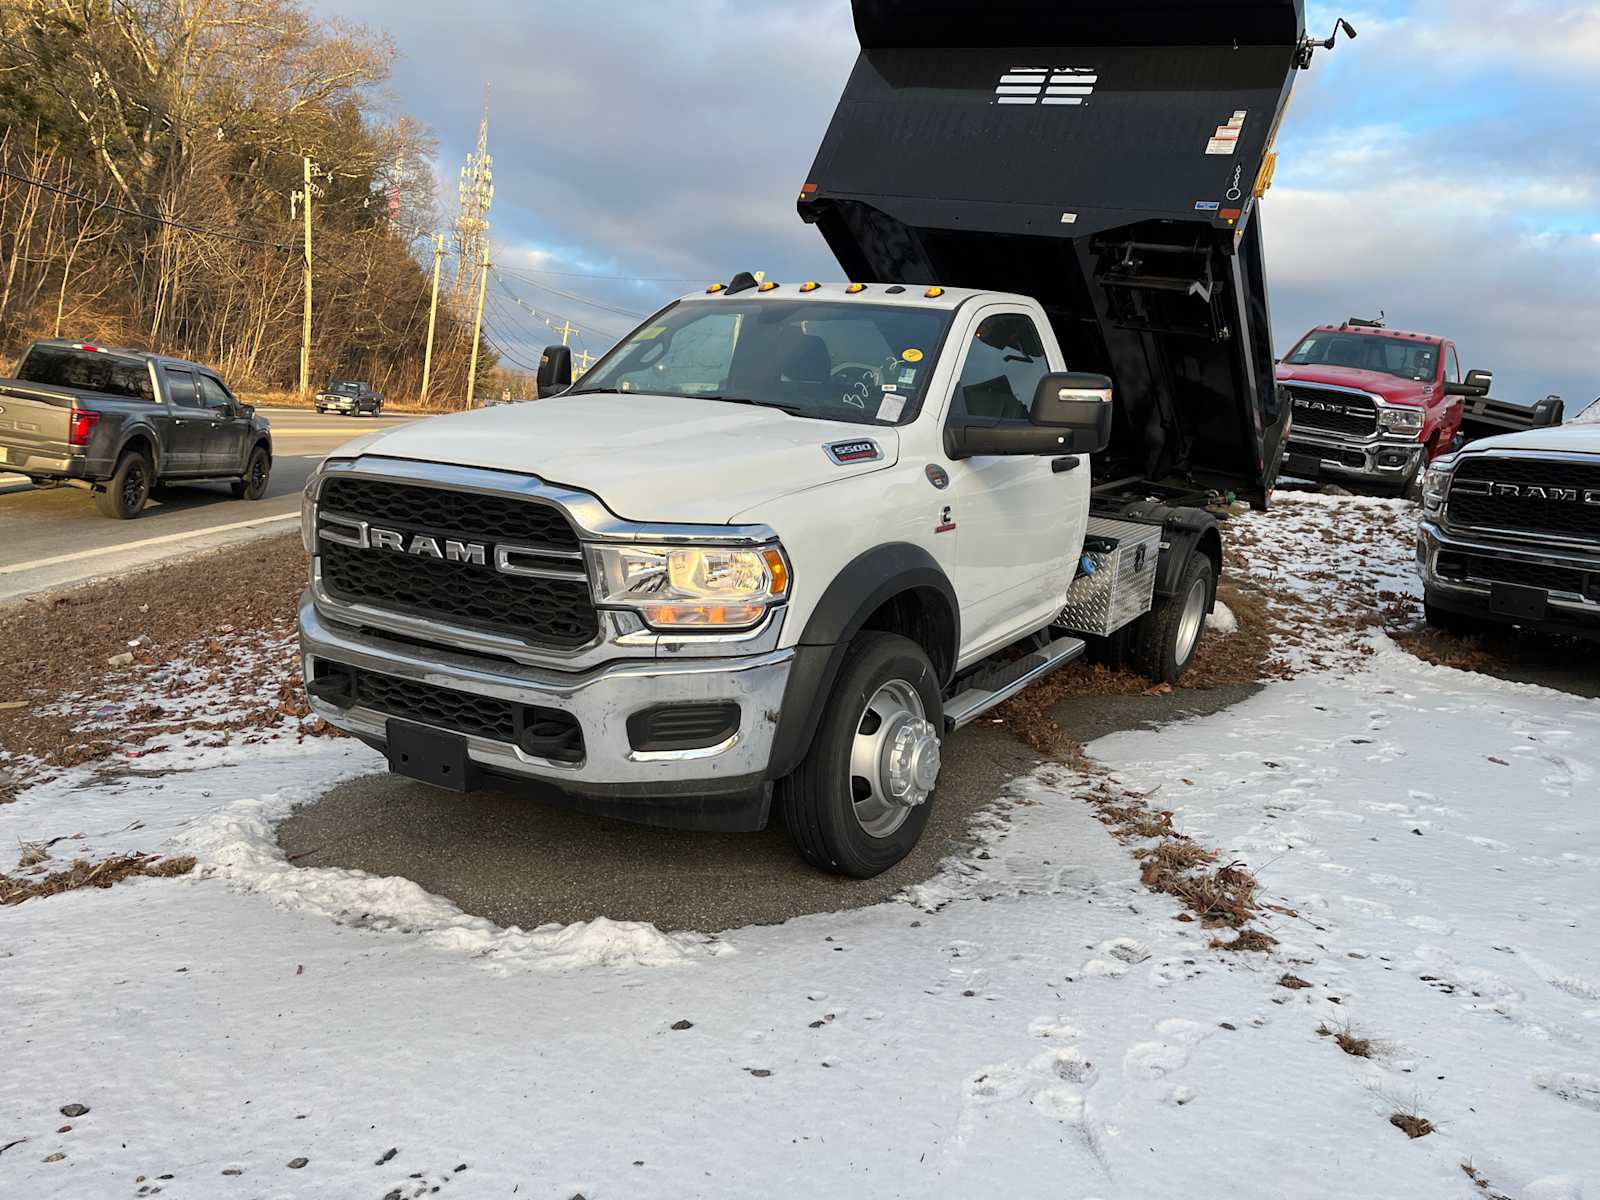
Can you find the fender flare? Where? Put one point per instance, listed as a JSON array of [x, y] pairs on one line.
[[866, 584], [148, 434]]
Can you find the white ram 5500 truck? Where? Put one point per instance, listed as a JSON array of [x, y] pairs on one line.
[[784, 539]]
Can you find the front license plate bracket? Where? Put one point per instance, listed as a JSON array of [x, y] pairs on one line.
[[1519, 602], [431, 756]]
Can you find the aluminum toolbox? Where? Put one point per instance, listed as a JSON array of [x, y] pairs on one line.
[[1123, 583]]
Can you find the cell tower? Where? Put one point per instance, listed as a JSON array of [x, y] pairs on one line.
[[477, 193]]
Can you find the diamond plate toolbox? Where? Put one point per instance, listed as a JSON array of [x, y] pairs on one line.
[[1123, 584]]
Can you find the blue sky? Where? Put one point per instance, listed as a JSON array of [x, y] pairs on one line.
[[1444, 167]]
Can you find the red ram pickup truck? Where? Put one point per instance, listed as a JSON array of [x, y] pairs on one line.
[[1372, 405]]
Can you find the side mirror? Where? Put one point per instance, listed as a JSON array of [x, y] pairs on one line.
[[244, 410], [1071, 415], [555, 370], [1477, 383]]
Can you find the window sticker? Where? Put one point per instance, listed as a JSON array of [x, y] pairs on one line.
[[645, 335], [892, 406], [908, 376], [911, 356]]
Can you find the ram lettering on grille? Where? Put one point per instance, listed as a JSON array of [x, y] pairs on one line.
[[1046, 85]]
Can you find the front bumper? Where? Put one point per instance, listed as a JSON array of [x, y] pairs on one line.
[[346, 405], [1475, 575], [600, 700], [1375, 460]]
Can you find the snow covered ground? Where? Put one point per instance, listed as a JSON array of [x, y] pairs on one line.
[[1031, 1022]]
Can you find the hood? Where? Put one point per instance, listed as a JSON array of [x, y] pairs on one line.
[[668, 459], [1559, 439], [1388, 387]]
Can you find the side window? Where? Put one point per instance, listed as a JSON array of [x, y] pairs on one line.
[[213, 395], [180, 387], [1452, 367], [1004, 365]]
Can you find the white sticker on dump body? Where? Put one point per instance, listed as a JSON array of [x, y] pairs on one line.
[[1226, 139]]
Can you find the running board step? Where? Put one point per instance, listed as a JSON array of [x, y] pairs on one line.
[[995, 687]]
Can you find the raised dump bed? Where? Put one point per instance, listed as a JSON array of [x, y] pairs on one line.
[[1106, 158]]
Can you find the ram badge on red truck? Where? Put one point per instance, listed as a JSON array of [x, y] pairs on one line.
[[1373, 405]]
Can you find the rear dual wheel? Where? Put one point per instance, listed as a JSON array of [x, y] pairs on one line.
[[859, 801]]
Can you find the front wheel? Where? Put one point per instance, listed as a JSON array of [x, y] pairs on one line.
[[859, 801], [1168, 635], [257, 473], [127, 490]]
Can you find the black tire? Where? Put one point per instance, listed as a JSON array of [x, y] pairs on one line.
[[818, 802], [257, 474], [125, 493], [1446, 621], [1166, 638]]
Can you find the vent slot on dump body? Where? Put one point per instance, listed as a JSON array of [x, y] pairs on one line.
[[1116, 582]]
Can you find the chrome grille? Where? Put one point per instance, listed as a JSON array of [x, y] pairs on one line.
[[546, 601], [1333, 412], [1544, 496]]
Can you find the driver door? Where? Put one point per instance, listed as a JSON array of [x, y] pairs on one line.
[[1018, 521], [224, 450]]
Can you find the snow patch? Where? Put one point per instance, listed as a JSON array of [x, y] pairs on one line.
[[1222, 622]]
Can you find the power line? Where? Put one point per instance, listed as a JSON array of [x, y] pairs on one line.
[[621, 278], [611, 308], [545, 316]]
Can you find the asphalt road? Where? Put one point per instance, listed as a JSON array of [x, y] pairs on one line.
[[54, 538], [520, 862]]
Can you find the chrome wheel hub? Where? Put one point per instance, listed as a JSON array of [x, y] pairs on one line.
[[894, 759], [1191, 622]]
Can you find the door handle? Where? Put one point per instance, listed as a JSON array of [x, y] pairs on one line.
[[1062, 465]]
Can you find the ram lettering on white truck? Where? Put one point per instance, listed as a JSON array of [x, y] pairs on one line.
[[784, 539]]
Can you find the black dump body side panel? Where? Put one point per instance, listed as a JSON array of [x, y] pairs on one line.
[[1107, 165]]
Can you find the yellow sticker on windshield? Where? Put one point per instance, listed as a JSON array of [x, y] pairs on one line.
[[644, 335], [912, 356]]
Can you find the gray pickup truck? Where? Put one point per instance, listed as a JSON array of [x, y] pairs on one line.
[[117, 422], [353, 396]]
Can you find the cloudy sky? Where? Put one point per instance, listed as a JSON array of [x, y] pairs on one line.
[[1444, 167]]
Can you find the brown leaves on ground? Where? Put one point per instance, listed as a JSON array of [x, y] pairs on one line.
[[82, 873], [1356, 1047], [1293, 983], [228, 615], [1412, 1124], [1248, 941]]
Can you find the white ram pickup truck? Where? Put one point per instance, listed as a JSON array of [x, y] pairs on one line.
[[784, 539], [792, 537], [1511, 532]]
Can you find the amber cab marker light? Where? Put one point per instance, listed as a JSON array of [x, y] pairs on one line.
[[768, 286], [715, 288], [854, 288], [810, 285], [934, 293]]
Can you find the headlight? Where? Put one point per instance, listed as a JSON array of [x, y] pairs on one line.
[[1401, 420], [1436, 485], [691, 587]]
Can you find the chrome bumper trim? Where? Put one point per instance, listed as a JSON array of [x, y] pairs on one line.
[[600, 700]]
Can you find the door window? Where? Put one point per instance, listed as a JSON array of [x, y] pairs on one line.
[[1452, 367], [213, 395], [1005, 363], [181, 389]]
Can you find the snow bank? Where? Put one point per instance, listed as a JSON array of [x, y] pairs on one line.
[[1222, 622]]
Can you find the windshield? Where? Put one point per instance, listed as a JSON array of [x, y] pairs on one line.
[[349, 389], [1589, 416], [1401, 357], [87, 371], [865, 363]]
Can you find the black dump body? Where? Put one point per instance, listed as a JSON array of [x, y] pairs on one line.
[[1104, 157]]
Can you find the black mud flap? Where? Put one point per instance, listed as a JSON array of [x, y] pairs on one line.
[[431, 756], [1519, 603]]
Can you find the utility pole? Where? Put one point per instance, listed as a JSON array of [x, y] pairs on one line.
[[433, 316], [584, 359], [567, 330], [305, 333], [477, 324]]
